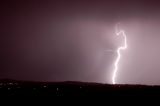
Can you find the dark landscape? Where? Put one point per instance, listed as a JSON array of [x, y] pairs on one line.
[[71, 88]]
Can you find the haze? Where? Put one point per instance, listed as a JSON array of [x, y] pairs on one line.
[[75, 40]]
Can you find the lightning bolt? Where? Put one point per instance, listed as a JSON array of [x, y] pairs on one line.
[[120, 32]]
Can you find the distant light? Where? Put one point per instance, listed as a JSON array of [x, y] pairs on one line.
[[44, 86], [10, 83], [8, 88], [57, 89]]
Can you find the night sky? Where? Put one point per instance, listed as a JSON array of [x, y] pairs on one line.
[[75, 40]]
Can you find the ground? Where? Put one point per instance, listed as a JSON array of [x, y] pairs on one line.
[[71, 88]]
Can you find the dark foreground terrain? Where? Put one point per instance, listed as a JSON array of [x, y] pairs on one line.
[[26, 88]]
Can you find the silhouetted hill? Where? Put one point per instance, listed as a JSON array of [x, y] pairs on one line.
[[70, 88]]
